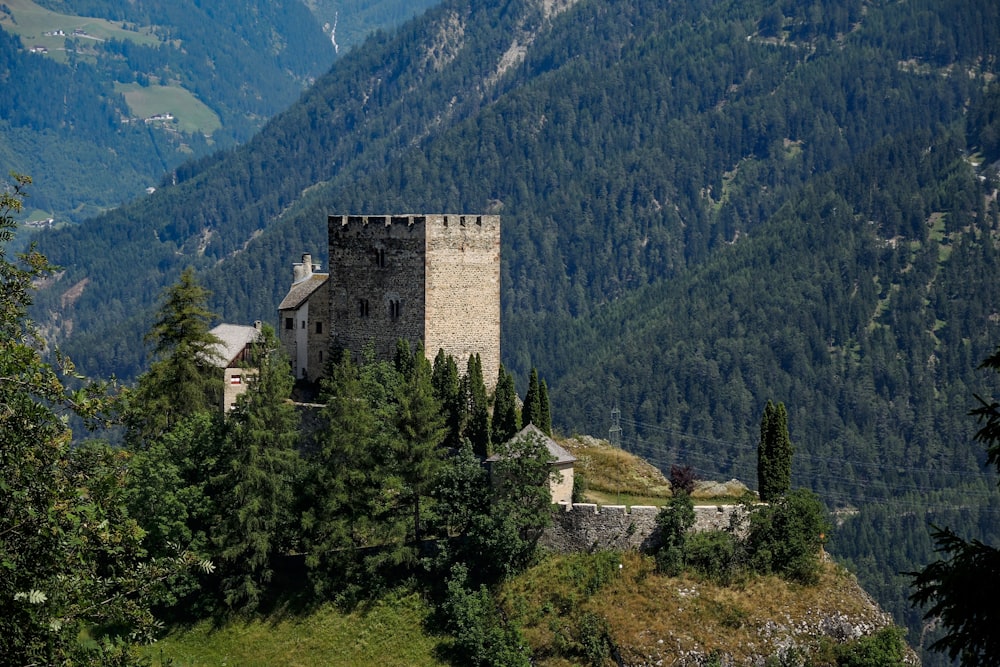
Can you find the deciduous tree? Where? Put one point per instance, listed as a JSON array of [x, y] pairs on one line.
[[71, 559]]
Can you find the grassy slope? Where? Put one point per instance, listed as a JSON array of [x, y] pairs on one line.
[[389, 633]]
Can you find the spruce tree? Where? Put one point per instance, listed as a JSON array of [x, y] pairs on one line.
[[344, 483], [774, 454], [260, 466], [417, 453], [532, 411], [477, 430], [505, 419]]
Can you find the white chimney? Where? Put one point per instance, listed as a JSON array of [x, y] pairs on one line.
[[302, 271]]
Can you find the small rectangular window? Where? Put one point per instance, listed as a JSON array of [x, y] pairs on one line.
[[236, 379], [289, 323], [303, 324], [319, 327]]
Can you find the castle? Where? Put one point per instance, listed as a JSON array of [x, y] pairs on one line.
[[433, 279]]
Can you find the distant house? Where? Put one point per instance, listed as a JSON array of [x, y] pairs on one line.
[[233, 355], [560, 470]]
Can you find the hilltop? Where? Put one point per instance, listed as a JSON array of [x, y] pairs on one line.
[[705, 206]]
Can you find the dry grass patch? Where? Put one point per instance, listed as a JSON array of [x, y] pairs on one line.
[[650, 617], [612, 470]]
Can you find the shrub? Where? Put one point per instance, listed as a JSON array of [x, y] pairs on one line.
[[714, 554], [785, 537]]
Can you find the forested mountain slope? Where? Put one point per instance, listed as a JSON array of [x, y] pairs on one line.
[[89, 83], [705, 206]]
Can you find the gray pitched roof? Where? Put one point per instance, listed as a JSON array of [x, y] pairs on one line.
[[235, 338], [301, 291], [560, 454]]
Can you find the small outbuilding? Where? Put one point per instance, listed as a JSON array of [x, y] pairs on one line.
[[561, 468], [232, 355]]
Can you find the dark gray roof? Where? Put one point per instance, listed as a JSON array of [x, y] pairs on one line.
[[560, 454], [234, 338], [302, 290]]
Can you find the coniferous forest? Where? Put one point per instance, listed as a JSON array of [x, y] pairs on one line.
[[705, 206]]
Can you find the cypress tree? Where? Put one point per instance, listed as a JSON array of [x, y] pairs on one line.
[[448, 390], [477, 431], [545, 416], [774, 454], [532, 411], [505, 421]]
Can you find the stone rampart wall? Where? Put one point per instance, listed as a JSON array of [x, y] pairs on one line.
[[589, 527]]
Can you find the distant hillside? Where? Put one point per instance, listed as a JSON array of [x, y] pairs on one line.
[[104, 98], [705, 206]]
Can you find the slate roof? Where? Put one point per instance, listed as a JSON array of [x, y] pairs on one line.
[[235, 338], [301, 291], [560, 454]]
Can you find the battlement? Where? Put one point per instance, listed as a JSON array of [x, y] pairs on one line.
[[588, 527], [408, 225]]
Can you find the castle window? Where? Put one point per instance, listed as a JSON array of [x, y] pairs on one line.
[[394, 309], [289, 323], [319, 327], [303, 324], [362, 307], [379, 255]]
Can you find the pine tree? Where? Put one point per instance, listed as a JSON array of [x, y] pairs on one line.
[[532, 411], [774, 454], [183, 379], [505, 420], [256, 489], [477, 430]]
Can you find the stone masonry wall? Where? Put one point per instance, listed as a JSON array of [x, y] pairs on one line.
[[430, 278], [588, 527], [376, 262], [463, 289]]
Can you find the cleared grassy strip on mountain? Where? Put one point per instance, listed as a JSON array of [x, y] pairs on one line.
[[191, 113], [36, 25]]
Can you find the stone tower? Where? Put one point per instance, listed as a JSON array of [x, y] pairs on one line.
[[430, 278]]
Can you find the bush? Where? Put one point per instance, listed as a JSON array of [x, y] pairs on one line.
[[482, 638], [885, 648], [714, 554], [673, 522], [785, 537]]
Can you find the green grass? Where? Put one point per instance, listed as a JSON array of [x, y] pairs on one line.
[[191, 113], [388, 633], [31, 22]]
